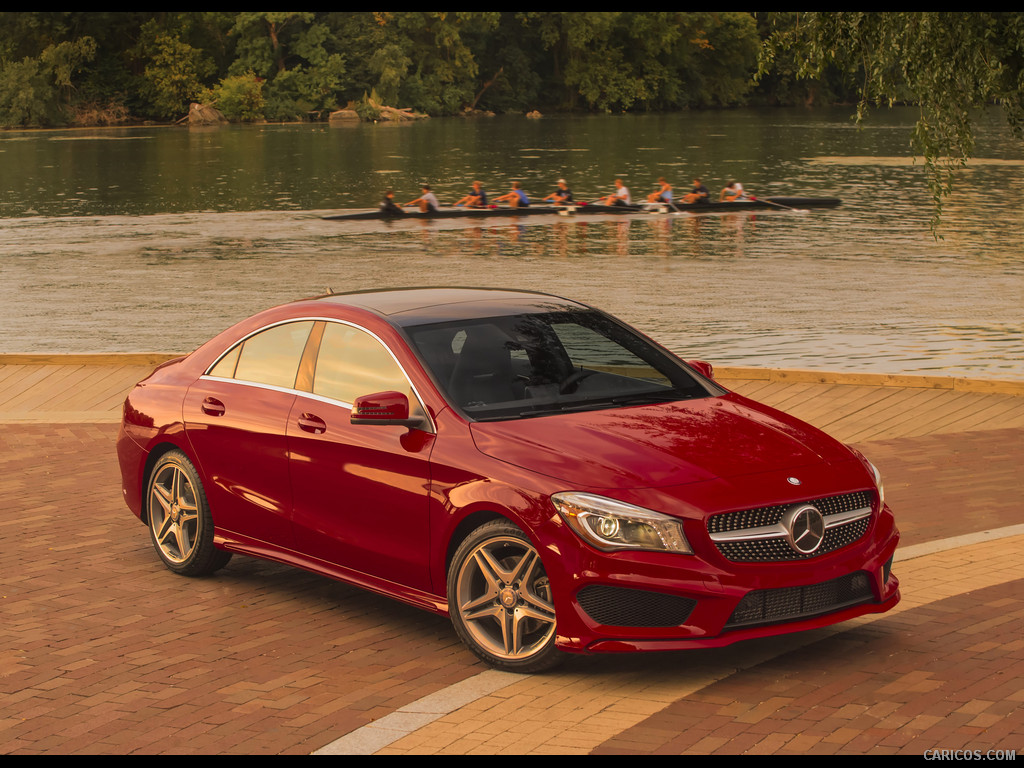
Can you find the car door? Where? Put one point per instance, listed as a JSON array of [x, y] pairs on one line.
[[359, 491], [236, 418]]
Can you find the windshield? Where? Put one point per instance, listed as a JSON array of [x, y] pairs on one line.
[[520, 366]]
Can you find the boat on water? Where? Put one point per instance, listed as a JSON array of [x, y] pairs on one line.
[[748, 204]]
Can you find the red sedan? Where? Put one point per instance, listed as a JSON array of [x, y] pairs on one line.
[[536, 469]]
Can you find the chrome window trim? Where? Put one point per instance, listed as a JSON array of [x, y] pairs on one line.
[[226, 352], [328, 400], [778, 531], [254, 384]]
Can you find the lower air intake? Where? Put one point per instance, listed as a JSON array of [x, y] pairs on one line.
[[620, 607], [771, 606]]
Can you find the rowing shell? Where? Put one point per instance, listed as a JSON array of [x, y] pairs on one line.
[[753, 204]]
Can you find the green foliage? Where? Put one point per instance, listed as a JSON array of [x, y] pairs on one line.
[[439, 62], [265, 41], [59, 66], [442, 46], [723, 53], [618, 60], [25, 94], [37, 91], [366, 107], [781, 78], [297, 55], [948, 64], [390, 65], [239, 97], [174, 73]]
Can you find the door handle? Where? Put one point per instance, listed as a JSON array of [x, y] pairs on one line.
[[212, 407], [312, 423]]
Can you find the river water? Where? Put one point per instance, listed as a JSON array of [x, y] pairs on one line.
[[153, 239]]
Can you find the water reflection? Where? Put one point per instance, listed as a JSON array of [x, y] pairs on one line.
[[737, 289]]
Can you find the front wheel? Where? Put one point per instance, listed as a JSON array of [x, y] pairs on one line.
[[500, 599], [180, 523]]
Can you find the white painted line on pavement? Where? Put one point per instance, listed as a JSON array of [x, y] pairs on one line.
[[413, 716]]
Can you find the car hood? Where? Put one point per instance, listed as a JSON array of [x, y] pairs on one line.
[[659, 445]]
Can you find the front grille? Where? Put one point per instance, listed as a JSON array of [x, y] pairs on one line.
[[738, 535], [621, 607], [775, 550], [771, 606]]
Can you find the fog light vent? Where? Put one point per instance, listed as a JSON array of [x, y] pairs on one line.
[[620, 607]]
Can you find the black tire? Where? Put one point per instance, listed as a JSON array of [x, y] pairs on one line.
[[180, 524], [499, 598]]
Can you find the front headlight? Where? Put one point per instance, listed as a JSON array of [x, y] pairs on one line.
[[875, 473], [609, 525], [878, 484]]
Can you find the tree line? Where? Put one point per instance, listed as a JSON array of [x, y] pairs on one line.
[[62, 68], [94, 68]]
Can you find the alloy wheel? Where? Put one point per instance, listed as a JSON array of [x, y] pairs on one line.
[[174, 513], [503, 599]]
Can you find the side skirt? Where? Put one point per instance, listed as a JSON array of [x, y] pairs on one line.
[[260, 549]]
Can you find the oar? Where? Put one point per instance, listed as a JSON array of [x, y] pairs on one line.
[[778, 205]]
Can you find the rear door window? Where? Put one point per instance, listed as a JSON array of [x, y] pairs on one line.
[[269, 357]]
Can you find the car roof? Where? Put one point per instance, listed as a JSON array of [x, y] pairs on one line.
[[416, 306]]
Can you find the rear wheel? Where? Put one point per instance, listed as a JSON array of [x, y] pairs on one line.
[[180, 524], [500, 599]]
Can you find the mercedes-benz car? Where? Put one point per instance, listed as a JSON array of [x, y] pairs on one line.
[[539, 471]]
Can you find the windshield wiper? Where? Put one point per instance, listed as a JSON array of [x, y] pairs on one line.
[[605, 402], [640, 398]]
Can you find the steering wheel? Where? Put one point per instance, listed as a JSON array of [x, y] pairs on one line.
[[571, 382]]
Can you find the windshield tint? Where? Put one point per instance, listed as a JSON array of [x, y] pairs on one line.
[[520, 366]]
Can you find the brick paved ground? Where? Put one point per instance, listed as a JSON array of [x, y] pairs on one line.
[[102, 650], [945, 675], [951, 484]]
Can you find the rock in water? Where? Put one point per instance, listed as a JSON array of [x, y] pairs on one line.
[[204, 114]]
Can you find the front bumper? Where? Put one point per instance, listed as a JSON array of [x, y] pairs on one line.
[[632, 601]]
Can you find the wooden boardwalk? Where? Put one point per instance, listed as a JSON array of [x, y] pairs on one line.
[[862, 407], [851, 407], [70, 389]]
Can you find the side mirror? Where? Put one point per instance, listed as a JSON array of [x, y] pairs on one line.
[[704, 369], [383, 408]]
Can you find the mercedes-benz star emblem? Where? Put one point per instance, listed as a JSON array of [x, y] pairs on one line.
[[805, 528]]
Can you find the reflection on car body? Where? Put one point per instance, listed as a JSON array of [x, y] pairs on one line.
[[536, 469]]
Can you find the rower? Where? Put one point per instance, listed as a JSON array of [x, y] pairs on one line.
[[562, 195], [733, 191], [476, 198], [663, 194], [427, 201], [699, 193], [516, 198], [388, 207], [620, 196]]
